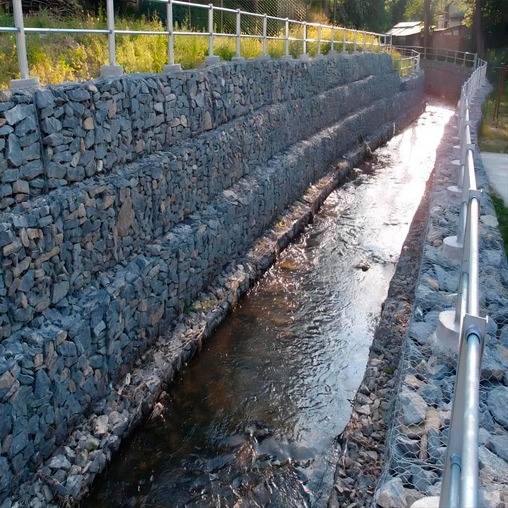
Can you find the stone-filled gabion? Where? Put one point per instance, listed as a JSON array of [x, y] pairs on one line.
[[123, 199]]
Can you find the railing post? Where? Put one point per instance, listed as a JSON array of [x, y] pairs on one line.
[[343, 39], [287, 37], [238, 32], [354, 41], [319, 39], [305, 38], [333, 39], [112, 69], [25, 81], [265, 21], [364, 41], [211, 59], [171, 43]]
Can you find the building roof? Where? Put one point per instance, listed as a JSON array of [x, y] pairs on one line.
[[406, 28]]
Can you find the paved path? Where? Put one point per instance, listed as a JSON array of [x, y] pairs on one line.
[[496, 167]]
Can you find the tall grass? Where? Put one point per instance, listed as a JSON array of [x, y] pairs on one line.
[[57, 58]]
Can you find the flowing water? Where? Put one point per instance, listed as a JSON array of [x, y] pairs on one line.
[[252, 420]]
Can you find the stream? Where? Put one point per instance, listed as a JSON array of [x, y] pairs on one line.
[[252, 420]]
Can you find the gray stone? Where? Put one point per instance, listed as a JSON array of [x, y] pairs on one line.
[[413, 406], [60, 462], [391, 494], [498, 404], [44, 99], [18, 113], [492, 468], [51, 125], [13, 154], [59, 291], [74, 485], [42, 384], [499, 445]]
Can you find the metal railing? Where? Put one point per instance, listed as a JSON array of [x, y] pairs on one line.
[[338, 38], [443, 55], [461, 474], [409, 61]]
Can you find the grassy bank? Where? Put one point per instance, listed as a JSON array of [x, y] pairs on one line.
[[57, 58], [494, 131]]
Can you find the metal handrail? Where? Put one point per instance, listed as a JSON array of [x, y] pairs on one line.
[[442, 54], [380, 41], [461, 474], [409, 62]]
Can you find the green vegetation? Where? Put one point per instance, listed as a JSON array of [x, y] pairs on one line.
[[57, 58], [502, 217], [494, 133]]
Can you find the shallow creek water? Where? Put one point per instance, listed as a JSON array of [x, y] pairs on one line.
[[251, 421]]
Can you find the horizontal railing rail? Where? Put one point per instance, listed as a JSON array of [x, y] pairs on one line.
[[442, 54], [460, 484], [337, 38], [409, 61]]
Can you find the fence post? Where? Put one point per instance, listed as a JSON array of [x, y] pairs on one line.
[[332, 49], [238, 33], [112, 69], [25, 81], [354, 41], [305, 38], [364, 33], [171, 66], [265, 20], [343, 39], [211, 59], [319, 39], [287, 37]]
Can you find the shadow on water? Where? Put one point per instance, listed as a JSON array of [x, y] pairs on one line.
[[252, 420]]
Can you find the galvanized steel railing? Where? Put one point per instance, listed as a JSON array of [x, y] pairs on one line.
[[338, 37], [409, 61], [444, 55], [461, 474]]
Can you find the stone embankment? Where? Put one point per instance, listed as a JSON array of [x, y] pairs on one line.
[[122, 201], [394, 448]]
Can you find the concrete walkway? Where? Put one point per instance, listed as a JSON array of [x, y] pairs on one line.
[[496, 167]]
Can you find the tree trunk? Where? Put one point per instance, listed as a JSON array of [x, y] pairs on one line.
[[427, 17], [478, 22]]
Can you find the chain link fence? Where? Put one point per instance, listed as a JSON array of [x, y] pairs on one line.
[[196, 18]]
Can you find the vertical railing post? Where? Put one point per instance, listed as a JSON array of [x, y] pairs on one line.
[[343, 39], [287, 37], [171, 66], [238, 32], [20, 39], [112, 69], [305, 38], [364, 33], [319, 39], [332, 47], [25, 81], [211, 59], [265, 22], [354, 41], [169, 26], [210, 30], [110, 12]]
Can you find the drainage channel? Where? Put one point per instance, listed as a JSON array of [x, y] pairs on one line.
[[251, 421]]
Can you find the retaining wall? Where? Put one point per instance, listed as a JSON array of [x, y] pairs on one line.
[[123, 199], [443, 79]]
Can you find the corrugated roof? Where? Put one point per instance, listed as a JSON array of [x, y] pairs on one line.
[[406, 28]]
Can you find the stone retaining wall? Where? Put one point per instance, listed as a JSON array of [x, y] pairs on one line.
[[123, 199], [443, 79]]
